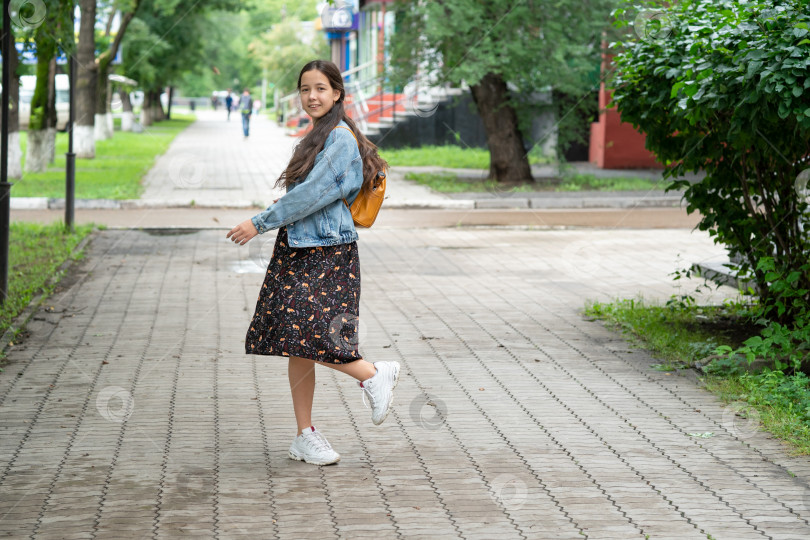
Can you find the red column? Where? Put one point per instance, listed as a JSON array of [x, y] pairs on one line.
[[615, 144]]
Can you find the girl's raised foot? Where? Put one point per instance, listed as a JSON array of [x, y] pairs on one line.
[[380, 390]]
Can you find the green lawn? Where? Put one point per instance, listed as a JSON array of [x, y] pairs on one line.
[[115, 173], [35, 252], [589, 182], [450, 183], [456, 157], [451, 157]]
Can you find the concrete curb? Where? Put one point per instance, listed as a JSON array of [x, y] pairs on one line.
[[723, 273], [44, 203], [484, 203]]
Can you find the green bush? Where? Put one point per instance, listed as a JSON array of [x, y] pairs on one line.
[[722, 86]]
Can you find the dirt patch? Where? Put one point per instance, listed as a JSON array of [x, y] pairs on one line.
[[732, 330]]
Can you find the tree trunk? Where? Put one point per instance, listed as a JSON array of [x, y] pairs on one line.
[[158, 113], [50, 139], [37, 153], [127, 118], [103, 115], [84, 140], [14, 151], [102, 131], [146, 109], [508, 160], [169, 105]]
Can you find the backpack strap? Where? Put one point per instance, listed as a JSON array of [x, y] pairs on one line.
[[350, 131], [358, 147]]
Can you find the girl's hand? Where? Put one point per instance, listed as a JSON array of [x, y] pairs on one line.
[[242, 232]]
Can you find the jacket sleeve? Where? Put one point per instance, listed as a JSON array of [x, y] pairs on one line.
[[322, 186]]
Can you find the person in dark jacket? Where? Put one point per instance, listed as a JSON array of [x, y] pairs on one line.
[[246, 108], [229, 103]]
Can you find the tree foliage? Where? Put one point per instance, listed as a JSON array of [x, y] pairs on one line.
[[167, 39], [233, 39], [723, 87], [50, 30], [264, 14], [283, 50], [534, 45]]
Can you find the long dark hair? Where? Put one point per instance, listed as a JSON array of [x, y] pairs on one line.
[[303, 158]]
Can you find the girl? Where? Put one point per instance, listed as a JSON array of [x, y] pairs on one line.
[[309, 302]]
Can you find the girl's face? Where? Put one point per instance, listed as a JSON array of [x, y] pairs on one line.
[[317, 95]]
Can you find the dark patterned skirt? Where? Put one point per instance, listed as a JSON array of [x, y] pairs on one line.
[[309, 304]]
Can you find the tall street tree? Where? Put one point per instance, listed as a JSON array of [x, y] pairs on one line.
[[505, 50], [230, 33], [165, 41], [54, 29], [125, 10], [92, 103], [284, 48], [86, 85]]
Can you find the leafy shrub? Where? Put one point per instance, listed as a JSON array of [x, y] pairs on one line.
[[723, 86]]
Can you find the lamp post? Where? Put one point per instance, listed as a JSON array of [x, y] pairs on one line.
[[5, 186], [70, 155]]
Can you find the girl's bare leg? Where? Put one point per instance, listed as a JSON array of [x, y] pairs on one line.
[[359, 369], [301, 372]]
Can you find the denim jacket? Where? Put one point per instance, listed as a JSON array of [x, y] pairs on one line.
[[313, 209]]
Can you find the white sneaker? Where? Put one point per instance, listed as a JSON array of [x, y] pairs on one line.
[[312, 447], [380, 390]]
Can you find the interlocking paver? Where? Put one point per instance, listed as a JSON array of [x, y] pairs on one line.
[[540, 424]]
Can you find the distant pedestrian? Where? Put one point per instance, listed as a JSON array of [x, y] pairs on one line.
[[229, 103], [246, 108], [257, 106], [214, 101], [308, 307]]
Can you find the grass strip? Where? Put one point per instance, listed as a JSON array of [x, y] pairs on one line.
[[684, 335], [115, 173], [449, 156], [449, 183], [36, 251], [781, 402], [589, 182]]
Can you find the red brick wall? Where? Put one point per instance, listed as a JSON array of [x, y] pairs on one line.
[[615, 144]]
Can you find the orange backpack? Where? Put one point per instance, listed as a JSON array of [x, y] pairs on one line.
[[367, 205]]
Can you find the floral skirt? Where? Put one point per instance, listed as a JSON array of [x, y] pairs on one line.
[[309, 304]]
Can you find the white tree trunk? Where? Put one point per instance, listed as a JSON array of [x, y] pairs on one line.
[[127, 119], [100, 131], [110, 124], [36, 154], [14, 155], [84, 142], [50, 144]]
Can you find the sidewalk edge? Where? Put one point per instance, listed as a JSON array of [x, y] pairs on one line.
[[20, 321]]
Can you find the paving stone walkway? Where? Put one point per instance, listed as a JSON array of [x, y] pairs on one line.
[[130, 411], [211, 164]]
